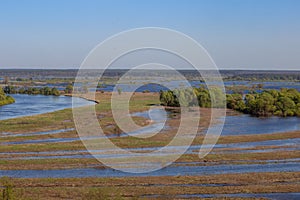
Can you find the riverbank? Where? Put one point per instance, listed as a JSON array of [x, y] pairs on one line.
[[63, 119], [88, 97]]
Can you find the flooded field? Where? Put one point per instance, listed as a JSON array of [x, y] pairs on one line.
[[247, 145]]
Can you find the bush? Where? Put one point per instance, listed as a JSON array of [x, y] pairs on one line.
[[4, 100], [7, 192]]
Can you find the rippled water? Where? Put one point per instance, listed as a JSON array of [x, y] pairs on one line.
[[27, 105], [168, 171], [272, 196], [246, 124]]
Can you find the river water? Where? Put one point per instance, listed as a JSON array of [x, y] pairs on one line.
[[245, 124], [27, 105]]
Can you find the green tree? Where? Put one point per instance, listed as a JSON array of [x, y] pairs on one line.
[[265, 104], [236, 102], [285, 106], [167, 98], [55, 92], [69, 89], [204, 99]]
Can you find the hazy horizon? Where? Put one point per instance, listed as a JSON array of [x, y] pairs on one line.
[[66, 68]]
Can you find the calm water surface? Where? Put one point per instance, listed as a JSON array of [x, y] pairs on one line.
[[168, 171], [27, 105], [246, 124]]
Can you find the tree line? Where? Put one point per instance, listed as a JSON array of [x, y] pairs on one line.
[[69, 89], [283, 102], [193, 97], [31, 90]]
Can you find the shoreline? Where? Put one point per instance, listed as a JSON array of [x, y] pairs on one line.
[[83, 97]]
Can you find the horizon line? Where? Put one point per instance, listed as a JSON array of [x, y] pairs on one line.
[[230, 69]]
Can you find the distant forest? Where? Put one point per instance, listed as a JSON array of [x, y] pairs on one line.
[[236, 75]]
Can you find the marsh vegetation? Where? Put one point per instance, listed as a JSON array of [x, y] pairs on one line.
[[45, 158]]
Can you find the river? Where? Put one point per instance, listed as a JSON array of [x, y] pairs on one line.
[[27, 105]]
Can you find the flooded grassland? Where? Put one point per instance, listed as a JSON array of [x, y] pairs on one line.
[[44, 157]]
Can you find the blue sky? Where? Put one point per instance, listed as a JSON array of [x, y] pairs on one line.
[[238, 34]]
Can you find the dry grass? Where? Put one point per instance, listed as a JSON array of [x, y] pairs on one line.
[[137, 187]]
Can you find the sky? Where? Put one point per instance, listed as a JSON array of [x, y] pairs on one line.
[[238, 34]]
